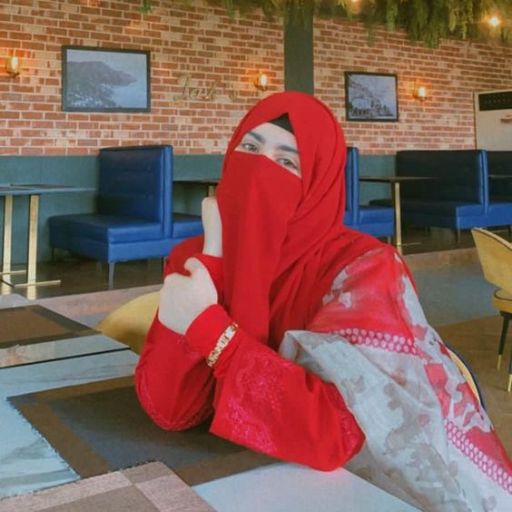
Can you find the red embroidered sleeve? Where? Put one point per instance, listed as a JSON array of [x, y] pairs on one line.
[[173, 383], [259, 399], [272, 405]]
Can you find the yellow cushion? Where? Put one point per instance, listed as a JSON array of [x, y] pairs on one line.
[[465, 373], [130, 322]]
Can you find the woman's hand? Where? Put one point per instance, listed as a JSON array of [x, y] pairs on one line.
[[183, 298], [212, 226]]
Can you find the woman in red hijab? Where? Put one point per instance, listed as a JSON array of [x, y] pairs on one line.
[[299, 334]]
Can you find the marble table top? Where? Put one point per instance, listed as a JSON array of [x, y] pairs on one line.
[[35, 334], [292, 488], [29, 463]]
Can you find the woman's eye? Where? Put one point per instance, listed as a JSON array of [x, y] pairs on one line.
[[286, 162], [250, 147]]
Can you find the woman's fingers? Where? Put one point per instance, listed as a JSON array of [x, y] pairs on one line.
[[212, 225], [193, 264], [183, 298]]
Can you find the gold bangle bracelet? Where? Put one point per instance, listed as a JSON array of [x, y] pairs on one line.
[[222, 343]]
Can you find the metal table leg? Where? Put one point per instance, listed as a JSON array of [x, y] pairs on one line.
[[32, 247], [7, 240], [398, 215]]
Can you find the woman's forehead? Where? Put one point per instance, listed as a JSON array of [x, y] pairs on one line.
[[271, 133]]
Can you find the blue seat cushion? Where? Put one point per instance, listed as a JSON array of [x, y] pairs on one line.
[[185, 225], [375, 214], [115, 229], [451, 208], [500, 213]]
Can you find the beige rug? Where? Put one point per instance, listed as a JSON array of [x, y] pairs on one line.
[[152, 487]]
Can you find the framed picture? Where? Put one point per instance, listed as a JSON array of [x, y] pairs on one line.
[[105, 80], [370, 97]]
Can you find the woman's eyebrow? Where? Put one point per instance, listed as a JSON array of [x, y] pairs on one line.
[[257, 136], [291, 149]]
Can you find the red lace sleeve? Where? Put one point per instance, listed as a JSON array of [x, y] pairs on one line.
[[272, 405], [173, 383]]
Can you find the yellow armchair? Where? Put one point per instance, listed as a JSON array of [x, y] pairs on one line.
[[495, 254]]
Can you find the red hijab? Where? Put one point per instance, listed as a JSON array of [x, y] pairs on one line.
[[283, 238]]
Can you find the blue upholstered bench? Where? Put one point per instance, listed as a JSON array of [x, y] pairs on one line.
[[459, 196], [371, 219], [134, 218]]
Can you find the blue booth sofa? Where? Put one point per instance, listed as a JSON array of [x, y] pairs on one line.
[[457, 197], [499, 163], [134, 218], [371, 219]]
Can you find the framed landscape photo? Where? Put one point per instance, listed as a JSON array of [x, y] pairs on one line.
[[371, 97], [105, 80]]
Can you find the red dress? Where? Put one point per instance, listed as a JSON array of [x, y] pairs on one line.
[[258, 399]]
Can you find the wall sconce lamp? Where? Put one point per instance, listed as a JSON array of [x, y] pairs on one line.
[[261, 82], [420, 93], [494, 21], [12, 66]]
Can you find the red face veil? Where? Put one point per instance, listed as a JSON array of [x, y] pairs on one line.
[[283, 239]]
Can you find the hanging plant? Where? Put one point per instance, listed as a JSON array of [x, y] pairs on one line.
[[424, 20], [146, 6]]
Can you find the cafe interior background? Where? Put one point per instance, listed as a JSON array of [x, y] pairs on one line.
[[208, 64]]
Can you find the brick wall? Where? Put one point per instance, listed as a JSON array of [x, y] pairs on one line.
[[451, 74], [197, 40], [186, 39]]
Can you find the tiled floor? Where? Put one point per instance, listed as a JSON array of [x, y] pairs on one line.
[[79, 276]]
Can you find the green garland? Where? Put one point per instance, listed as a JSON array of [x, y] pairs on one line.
[[424, 20]]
